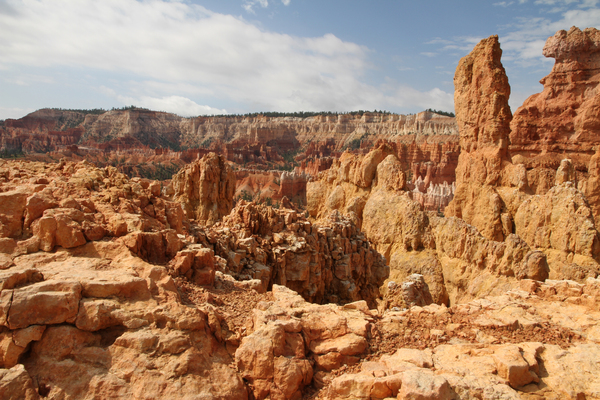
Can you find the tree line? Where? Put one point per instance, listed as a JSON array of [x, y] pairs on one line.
[[273, 114]]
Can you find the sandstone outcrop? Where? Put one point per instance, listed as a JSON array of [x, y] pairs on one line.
[[86, 315], [70, 204], [456, 261], [562, 121], [96, 312], [543, 193], [561, 224], [294, 343], [101, 322], [493, 347], [483, 116], [326, 262], [347, 184], [205, 188]]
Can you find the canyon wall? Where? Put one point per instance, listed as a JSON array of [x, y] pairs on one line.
[[140, 143], [148, 143], [341, 128], [159, 129]]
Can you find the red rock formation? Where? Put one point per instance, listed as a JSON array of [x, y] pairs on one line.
[[205, 188], [42, 131], [293, 186], [563, 120], [326, 262], [494, 186], [257, 185], [372, 191], [271, 186], [483, 116], [314, 166], [435, 198]]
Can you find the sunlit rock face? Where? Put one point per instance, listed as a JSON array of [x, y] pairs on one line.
[[548, 150], [205, 188], [564, 119], [483, 116]]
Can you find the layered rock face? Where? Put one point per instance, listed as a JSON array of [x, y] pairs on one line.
[[245, 136], [457, 262], [483, 116], [343, 128], [205, 188], [41, 131], [50, 130], [326, 262], [562, 119], [154, 129], [495, 182]]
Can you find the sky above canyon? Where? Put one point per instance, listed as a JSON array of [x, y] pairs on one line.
[[238, 56]]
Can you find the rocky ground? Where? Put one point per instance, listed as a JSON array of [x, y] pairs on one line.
[[112, 287]]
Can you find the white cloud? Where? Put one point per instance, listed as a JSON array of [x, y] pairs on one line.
[[553, 2], [435, 98], [439, 41], [524, 40], [250, 4], [174, 104], [183, 55], [503, 3], [14, 112], [286, 2], [28, 79], [524, 44]]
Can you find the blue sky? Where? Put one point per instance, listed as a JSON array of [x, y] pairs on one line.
[[237, 56]]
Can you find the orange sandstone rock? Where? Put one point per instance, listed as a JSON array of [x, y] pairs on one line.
[[483, 116], [206, 189]]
